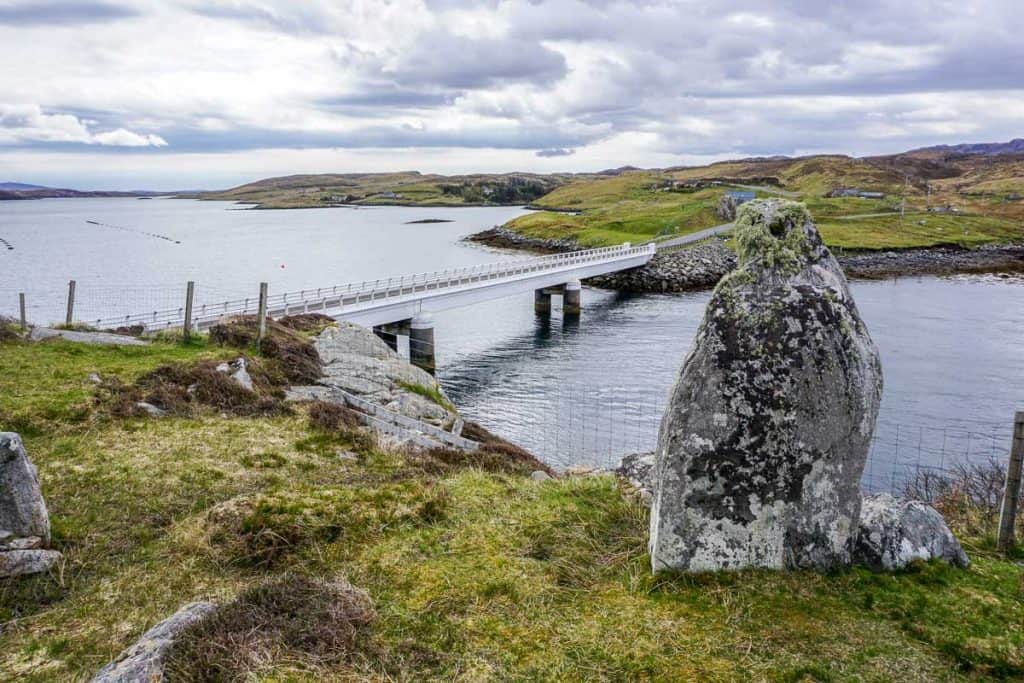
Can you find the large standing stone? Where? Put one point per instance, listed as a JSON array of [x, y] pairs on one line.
[[143, 662], [895, 532], [22, 509], [767, 430]]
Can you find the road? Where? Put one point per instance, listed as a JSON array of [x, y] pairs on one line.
[[693, 236]]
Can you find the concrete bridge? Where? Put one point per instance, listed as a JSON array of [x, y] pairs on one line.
[[404, 304]]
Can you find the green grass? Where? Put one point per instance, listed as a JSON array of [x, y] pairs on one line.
[[621, 209], [431, 393], [628, 208], [474, 575], [917, 230]]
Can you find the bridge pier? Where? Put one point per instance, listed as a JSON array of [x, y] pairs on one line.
[[542, 301], [571, 298], [421, 342], [390, 332]]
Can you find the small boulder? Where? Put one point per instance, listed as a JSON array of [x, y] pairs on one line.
[[150, 409], [144, 661], [638, 470], [22, 509], [539, 475], [31, 561], [894, 532], [238, 371]]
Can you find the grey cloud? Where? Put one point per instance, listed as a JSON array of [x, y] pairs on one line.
[[555, 152], [59, 12], [287, 18], [453, 61]]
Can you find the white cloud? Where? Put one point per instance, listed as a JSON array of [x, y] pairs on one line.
[[431, 83], [22, 124]]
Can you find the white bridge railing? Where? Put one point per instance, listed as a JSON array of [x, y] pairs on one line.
[[337, 298]]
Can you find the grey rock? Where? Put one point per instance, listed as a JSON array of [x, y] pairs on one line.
[[100, 338], [638, 470], [239, 374], [95, 378], [539, 475], [150, 409], [143, 662], [356, 361], [894, 532], [32, 561], [26, 543], [22, 508], [765, 437]]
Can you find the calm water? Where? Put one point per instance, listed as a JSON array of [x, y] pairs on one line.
[[583, 393]]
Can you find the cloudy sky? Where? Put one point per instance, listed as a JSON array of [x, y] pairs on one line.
[[210, 93]]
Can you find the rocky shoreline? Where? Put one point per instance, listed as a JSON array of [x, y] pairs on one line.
[[702, 266]]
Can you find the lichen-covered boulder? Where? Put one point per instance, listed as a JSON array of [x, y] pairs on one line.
[[766, 433], [143, 662], [18, 562], [894, 532], [22, 509]]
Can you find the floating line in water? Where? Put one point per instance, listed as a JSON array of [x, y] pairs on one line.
[[5, 243], [137, 232]]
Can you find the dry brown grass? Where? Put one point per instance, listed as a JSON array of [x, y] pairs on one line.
[[332, 417], [185, 389], [294, 353], [307, 622]]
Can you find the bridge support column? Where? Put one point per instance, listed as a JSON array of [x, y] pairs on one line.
[[571, 298], [421, 342], [541, 301]]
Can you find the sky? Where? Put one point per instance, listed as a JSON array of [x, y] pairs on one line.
[[190, 94]]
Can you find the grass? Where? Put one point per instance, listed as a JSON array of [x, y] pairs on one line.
[[917, 230], [628, 208], [430, 393], [473, 574], [625, 208]]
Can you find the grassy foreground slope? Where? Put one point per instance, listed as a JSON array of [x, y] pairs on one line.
[[475, 574], [635, 206]]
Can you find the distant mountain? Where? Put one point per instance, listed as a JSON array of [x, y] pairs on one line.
[[11, 190], [1015, 146], [21, 187]]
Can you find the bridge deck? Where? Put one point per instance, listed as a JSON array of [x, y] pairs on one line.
[[376, 302]]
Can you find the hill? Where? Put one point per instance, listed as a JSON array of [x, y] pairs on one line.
[[1015, 146], [922, 198], [403, 188]]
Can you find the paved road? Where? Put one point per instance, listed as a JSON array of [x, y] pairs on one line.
[[769, 190], [693, 236]]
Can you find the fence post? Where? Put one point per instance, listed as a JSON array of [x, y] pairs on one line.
[[1011, 492], [71, 303], [261, 314], [21, 308], [186, 330]]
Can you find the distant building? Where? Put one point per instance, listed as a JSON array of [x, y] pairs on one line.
[[855, 192], [388, 195], [741, 196]]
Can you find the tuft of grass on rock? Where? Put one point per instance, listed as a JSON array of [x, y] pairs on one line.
[[293, 620]]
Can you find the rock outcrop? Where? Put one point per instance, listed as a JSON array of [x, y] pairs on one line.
[[895, 532], [144, 660], [765, 437], [682, 270], [24, 520], [358, 362]]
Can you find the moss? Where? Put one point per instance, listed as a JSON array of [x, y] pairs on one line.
[[431, 393], [771, 233]]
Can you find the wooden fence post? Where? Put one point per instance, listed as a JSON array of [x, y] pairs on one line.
[[261, 314], [71, 303], [21, 308], [186, 330], [1011, 491]]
